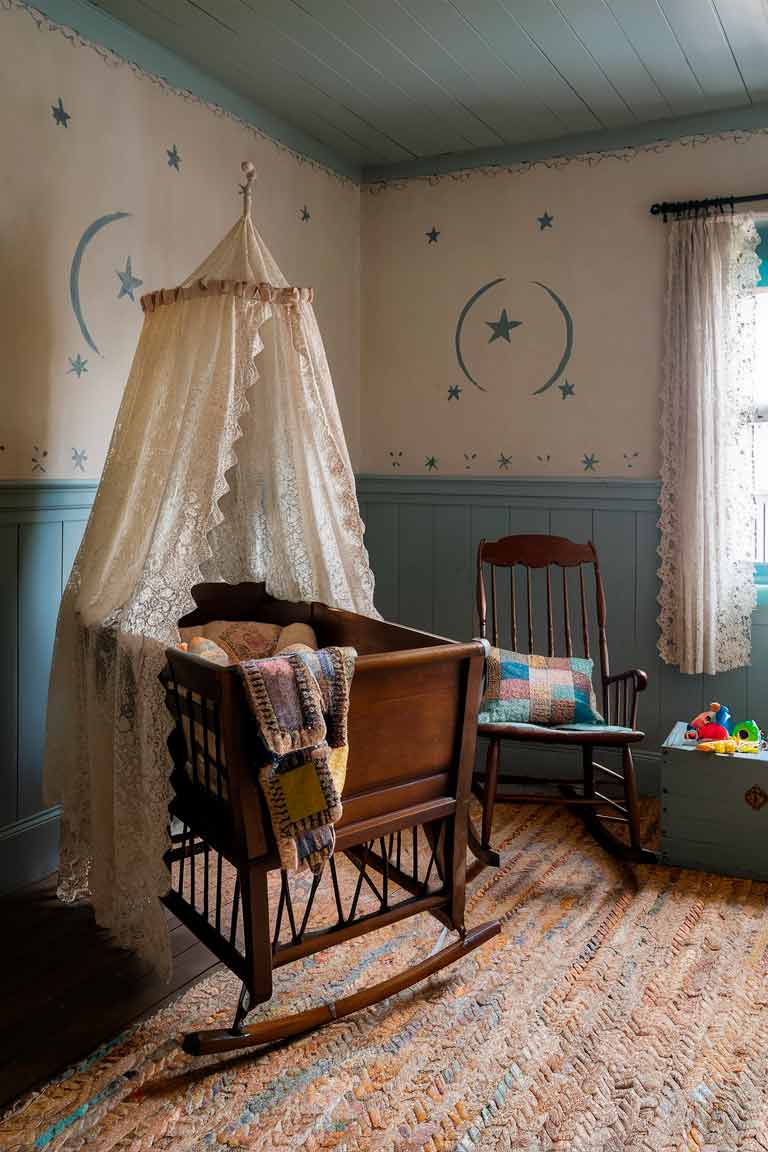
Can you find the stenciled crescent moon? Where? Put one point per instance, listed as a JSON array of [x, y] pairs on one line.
[[460, 324], [74, 271], [567, 352], [568, 339]]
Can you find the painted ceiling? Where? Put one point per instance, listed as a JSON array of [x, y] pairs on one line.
[[394, 84]]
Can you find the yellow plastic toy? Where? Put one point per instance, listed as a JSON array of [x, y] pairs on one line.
[[728, 747]]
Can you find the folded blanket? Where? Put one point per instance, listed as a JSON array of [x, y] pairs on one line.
[[300, 702]]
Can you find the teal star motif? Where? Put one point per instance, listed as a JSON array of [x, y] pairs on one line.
[[504, 461], [174, 158], [128, 282], [455, 391], [545, 221], [60, 116], [501, 328], [77, 365], [305, 214], [79, 458], [430, 463], [432, 235], [590, 462], [566, 389]]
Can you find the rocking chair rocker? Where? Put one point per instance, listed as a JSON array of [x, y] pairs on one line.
[[524, 556]]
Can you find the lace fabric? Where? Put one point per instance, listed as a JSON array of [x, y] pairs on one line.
[[707, 500], [216, 470]]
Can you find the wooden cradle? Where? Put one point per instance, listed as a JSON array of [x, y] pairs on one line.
[[412, 733]]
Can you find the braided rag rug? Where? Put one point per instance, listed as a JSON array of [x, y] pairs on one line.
[[620, 1009]]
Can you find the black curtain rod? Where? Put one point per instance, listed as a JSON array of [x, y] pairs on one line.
[[678, 207]]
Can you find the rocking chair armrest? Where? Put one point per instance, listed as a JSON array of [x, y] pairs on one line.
[[639, 677]]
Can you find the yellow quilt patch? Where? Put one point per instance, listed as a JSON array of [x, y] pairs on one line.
[[302, 791]]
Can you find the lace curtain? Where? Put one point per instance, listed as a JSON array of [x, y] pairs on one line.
[[707, 456], [227, 461]]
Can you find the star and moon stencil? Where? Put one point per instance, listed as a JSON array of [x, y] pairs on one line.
[[504, 329]]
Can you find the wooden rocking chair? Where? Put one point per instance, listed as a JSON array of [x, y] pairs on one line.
[[522, 556]]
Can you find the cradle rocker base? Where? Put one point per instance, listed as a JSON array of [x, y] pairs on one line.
[[218, 1040], [400, 845]]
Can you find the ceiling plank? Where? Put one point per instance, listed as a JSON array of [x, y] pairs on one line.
[[509, 41], [199, 39], [700, 34], [746, 25], [648, 31], [343, 22], [599, 30], [518, 116], [300, 42], [546, 26], [395, 24], [506, 103]]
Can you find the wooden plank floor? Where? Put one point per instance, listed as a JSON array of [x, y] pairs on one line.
[[64, 989]]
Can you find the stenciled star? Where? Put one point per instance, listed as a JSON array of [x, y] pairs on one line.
[[454, 391], [504, 461], [60, 116], [79, 458], [590, 462], [566, 389], [501, 328], [545, 221], [305, 214], [77, 365], [432, 235], [128, 282], [174, 158], [430, 463]]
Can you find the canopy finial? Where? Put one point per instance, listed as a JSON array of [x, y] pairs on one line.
[[249, 172]]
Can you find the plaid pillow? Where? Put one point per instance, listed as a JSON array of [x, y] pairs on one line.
[[547, 690]]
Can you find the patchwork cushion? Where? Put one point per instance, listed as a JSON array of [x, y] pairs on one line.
[[544, 690]]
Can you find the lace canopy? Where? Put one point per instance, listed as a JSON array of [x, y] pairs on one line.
[[227, 462]]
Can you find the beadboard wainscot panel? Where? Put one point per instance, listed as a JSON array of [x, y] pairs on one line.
[[41, 525], [422, 536]]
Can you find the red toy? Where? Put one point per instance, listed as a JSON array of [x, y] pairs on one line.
[[712, 731]]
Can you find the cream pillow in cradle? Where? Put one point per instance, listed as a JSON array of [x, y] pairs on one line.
[[240, 639], [208, 650], [297, 638]]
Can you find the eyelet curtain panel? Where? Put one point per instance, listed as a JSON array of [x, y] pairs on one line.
[[707, 522]]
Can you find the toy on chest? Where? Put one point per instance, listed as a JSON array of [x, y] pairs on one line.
[[715, 731]]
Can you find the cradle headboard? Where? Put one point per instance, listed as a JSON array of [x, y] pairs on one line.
[[250, 601], [246, 601]]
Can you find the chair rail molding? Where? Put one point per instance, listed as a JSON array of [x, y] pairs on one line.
[[422, 534]]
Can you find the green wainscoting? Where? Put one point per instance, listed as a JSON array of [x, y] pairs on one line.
[[41, 524], [422, 535]]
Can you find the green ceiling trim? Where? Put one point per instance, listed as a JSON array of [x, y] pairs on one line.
[[750, 118], [101, 28]]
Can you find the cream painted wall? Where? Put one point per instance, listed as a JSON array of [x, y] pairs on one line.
[[112, 157], [604, 256]]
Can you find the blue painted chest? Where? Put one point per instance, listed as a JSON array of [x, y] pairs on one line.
[[714, 809]]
